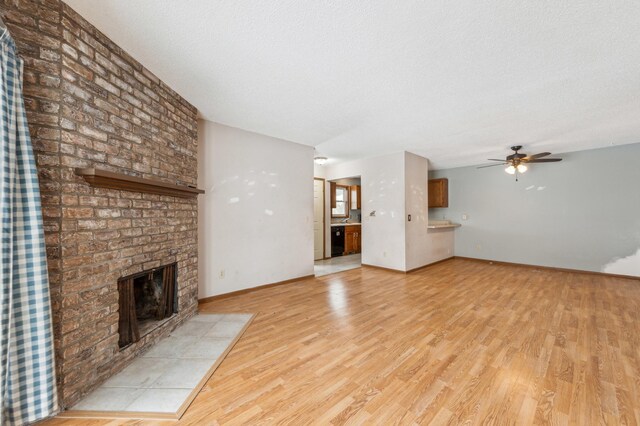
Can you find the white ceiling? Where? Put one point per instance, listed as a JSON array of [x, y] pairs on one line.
[[454, 81]]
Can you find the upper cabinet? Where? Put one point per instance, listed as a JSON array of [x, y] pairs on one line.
[[438, 193], [355, 197], [332, 191]]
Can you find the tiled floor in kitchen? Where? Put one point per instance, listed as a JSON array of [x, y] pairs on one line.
[[337, 264], [161, 380]]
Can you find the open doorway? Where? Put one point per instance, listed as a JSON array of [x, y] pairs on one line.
[[345, 229]]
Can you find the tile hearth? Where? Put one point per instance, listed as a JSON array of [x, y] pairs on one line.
[[165, 379]]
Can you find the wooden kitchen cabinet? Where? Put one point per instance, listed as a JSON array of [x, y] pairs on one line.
[[352, 239], [438, 192], [358, 241], [332, 191], [356, 201]]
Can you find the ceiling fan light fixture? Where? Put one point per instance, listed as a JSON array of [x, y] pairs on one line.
[[516, 162]]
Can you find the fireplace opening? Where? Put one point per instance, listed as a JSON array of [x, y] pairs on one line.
[[146, 300]]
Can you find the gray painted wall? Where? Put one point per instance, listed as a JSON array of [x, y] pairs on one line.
[[582, 213]]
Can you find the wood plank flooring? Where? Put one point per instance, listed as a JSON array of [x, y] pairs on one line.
[[458, 342]]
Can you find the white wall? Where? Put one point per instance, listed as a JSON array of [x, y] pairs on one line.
[[581, 213], [416, 242], [423, 246], [441, 244], [319, 171], [256, 217], [395, 186], [382, 186]]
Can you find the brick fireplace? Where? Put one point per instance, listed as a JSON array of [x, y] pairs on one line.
[[92, 105]]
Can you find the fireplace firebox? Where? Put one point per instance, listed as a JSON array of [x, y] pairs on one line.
[[146, 299]]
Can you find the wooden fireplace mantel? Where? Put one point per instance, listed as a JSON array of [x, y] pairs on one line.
[[106, 179]]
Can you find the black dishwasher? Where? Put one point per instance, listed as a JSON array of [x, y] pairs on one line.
[[337, 241]]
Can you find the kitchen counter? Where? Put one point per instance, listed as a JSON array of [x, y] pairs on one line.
[[442, 224], [451, 225], [346, 224]]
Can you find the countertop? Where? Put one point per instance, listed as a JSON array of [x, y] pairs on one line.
[[430, 226], [443, 225]]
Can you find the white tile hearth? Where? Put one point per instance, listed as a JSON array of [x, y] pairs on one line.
[[162, 380], [109, 399], [141, 374], [159, 400]]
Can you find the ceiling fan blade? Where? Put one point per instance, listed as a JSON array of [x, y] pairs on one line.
[[534, 156], [495, 159], [544, 160], [491, 165]]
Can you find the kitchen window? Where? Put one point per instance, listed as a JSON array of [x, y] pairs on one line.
[[342, 202]]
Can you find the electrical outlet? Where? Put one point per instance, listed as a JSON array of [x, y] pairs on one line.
[[221, 275], [465, 216]]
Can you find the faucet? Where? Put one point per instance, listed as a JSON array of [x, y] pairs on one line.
[[345, 220]]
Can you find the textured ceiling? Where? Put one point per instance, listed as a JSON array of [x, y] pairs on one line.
[[457, 82]]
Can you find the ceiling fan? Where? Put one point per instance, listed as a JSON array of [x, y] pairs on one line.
[[516, 162]]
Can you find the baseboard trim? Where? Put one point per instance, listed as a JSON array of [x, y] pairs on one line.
[[474, 259], [429, 264], [383, 268], [549, 268], [410, 270], [249, 290]]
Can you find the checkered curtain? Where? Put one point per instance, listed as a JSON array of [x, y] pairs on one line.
[[27, 381]]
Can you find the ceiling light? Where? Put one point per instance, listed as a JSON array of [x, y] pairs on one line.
[[511, 170], [320, 160], [521, 168]]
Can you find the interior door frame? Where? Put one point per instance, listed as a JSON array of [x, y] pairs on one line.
[[324, 218]]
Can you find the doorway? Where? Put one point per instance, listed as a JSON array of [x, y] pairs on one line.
[[318, 219], [343, 226]]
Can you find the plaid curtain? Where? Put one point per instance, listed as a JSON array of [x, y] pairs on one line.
[[27, 381]]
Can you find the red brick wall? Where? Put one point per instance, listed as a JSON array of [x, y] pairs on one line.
[[90, 104]]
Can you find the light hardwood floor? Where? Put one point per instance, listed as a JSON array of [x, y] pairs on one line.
[[461, 341]]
